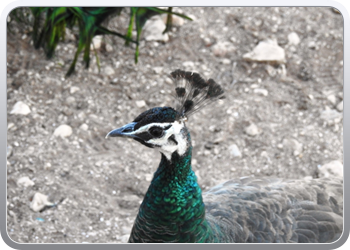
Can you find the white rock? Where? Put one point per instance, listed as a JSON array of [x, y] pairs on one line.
[[290, 144], [10, 125], [141, 104], [332, 99], [263, 92], [47, 166], [82, 116], [222, 48], [282, 70], [63, 131], [266, 51], [271, 70], [70, 100], [292, 48], [96, 42], [234, 151], [168, 80], [188, 64], [8, 151], [308, 178], [39, 202], [194, 162], [25, 182], [109, 70], [153, 30], [158, 70], [73, 89], [293, 38], [175, 21], [84, 127], [340, 106], [333, 168], [312, 45], [109, 48], [207, 41], [20, 108], [193, 17], [226, 61], [69, 35], [252, 130], [198, 174], [148, 177], [331, 116]]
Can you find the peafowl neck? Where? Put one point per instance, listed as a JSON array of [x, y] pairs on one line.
[[172, 210]]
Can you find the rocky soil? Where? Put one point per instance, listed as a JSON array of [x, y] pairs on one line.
[[282, 69]]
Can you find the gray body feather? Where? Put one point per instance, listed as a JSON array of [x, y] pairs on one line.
[[276, 210]]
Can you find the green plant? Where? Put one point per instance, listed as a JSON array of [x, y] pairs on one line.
[[50, 23]]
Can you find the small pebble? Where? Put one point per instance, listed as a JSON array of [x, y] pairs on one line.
[[153, 30], [252, 130], [70, 100], [73, 89], [109, 71], [332, 99], [96, 42], [293, 38], [9, 151], [84, 127], [234, 151], [333, 168], [263, 92], [25, 182], [141, 104], [340, 106], [63, 131], [20, 108], [109, 48], [39, 202]]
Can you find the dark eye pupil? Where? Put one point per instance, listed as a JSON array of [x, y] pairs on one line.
[[156, 131]]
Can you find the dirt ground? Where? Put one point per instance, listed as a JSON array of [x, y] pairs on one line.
[[101, 182]]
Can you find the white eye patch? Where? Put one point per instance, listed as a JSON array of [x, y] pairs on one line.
[[145, 128], [166, 146], [164, 139]]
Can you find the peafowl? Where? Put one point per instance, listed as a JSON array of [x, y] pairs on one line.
[[244, 210]]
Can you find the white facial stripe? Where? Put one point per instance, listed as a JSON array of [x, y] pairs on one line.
[[148, 126], [163, 140], [180, 138], [166, 147]]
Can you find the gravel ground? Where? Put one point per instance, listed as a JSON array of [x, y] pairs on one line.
[[278, 119]]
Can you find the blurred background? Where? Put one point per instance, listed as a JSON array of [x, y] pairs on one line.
[[72, 77]]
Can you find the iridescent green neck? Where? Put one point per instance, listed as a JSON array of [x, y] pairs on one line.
[[172, 210]]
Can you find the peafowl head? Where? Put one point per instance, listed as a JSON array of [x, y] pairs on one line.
[[164, 127]]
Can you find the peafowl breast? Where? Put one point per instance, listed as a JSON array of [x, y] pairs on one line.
[[242, 210]]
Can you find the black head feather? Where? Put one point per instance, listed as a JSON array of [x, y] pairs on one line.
[[193, 92]]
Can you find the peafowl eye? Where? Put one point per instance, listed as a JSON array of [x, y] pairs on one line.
[[156, 131]]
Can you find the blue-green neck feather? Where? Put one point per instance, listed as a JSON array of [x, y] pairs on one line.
[[173, 209]]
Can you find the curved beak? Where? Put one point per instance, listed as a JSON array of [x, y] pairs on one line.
[[125, 131]]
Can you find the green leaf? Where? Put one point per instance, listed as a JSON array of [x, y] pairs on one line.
[[50, 25]]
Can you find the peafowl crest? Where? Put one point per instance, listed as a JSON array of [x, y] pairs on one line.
[[245, 210], [193, 92]]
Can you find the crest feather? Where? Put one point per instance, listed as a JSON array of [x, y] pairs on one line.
[[192, 92]]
